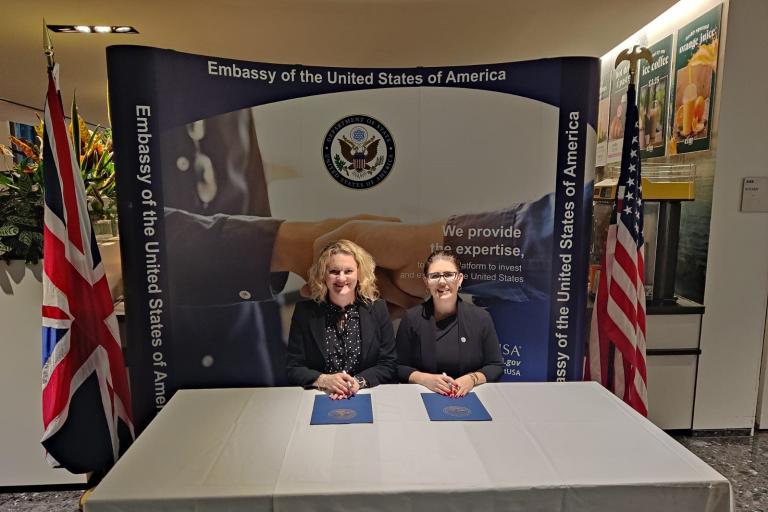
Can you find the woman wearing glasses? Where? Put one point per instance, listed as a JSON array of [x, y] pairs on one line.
[[342, 340], [445, 344]]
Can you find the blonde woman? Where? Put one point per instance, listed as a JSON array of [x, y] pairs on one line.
[[342, 340]]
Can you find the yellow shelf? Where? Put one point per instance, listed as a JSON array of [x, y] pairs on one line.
[[661, 182], [653, 190]]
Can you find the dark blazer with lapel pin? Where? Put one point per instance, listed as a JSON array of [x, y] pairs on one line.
[[307, 350], [416, 349]]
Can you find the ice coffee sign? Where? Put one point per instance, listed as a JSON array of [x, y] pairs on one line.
[[695, 79], [652, 94]]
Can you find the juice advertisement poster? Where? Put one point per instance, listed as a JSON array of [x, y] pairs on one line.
[[695, 79]]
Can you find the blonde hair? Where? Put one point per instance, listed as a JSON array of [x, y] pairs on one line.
[[366, 278]]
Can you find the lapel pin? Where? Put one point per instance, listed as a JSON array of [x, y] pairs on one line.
[[463, 339]]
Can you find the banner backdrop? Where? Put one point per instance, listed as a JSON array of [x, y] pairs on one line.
[[233, 174]]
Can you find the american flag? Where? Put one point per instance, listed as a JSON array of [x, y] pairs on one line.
[[86, 400], [616, 355]]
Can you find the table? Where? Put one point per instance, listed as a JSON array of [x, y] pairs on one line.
[[550, 447]]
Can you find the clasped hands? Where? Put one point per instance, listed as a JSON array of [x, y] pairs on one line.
[[338, 386], [443, 384], [397, 248]]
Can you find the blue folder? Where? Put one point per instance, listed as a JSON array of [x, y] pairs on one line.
[[445, 408], [333, 412]]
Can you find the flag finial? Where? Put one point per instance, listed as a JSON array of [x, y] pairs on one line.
[[634, 55], [47, 45]]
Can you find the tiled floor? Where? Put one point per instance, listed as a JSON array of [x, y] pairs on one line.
[[743, 460], [66, 501]]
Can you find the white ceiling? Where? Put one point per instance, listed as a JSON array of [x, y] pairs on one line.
[[365, 33]]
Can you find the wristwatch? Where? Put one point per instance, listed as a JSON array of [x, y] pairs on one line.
[[361, 382]]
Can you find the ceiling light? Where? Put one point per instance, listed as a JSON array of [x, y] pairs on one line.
[[90, 29]]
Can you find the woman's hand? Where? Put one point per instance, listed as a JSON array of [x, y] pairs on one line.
[[464, 385], [398, 250], [467, 383], [441, 384], [352, 391], [294, 241], [338, 385]]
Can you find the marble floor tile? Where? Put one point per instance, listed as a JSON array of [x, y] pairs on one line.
[[741, 459], [53, 501]]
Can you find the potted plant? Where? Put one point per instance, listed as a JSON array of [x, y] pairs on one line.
[[98, 170], [21, 188], [21, 204]]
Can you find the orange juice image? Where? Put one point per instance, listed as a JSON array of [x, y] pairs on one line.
[[689, 100], [693, 88]]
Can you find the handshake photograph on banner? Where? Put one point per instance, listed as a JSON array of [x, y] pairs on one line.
[[399, 250], [229, 256]]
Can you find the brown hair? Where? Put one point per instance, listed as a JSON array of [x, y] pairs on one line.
[[366, 278], [442, 254]]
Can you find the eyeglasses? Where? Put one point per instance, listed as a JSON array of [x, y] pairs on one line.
[[448, 276]]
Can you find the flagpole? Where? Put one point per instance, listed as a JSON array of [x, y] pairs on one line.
[[65, 434], [51, 62], [633, 56], [48, 46], [606, 359]]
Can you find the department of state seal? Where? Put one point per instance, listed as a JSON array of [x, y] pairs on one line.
[[359, 151], [342, 414], [457, 411]]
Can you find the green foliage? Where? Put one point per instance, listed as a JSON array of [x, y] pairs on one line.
[[340, 165], [21, 188], [21, 213]]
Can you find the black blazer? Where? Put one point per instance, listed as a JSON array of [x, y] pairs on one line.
[[307, 351], [416, 349]]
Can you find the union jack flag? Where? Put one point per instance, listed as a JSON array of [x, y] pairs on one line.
[[86, 400], [616, 355]]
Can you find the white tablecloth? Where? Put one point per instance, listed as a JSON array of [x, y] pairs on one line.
[[550, 447]]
